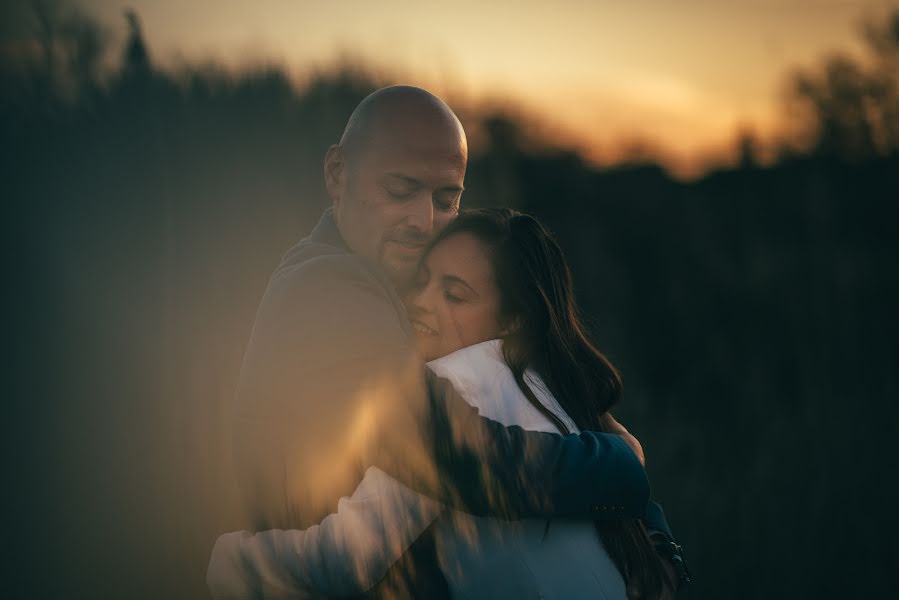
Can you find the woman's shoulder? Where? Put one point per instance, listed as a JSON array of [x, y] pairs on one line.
[[480, 374], [482, 357]]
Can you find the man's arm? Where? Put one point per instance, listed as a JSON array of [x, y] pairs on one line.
[[347, 554], [331, 385]]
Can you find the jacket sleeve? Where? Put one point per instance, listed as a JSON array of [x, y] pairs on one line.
[[331, 385], [346, 554], [489, 469], [656, 523]]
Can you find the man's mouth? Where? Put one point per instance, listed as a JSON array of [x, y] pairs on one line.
[[409, 244], [422, 328]]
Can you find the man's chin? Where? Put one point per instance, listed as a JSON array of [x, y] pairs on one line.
[[400, 271]]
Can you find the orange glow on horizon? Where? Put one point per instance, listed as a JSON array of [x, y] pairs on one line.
[[606, 78]]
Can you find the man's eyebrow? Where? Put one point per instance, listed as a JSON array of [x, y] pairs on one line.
[[459, 280], [405, 178], [415, 182]]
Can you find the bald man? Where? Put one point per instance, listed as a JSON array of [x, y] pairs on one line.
[[331, 384]]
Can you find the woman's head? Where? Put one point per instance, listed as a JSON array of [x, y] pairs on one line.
[[497, 273], [455, 302]]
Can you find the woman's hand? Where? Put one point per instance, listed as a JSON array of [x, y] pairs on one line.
[[633, 443]]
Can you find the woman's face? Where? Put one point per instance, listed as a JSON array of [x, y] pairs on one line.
[[455, 302]]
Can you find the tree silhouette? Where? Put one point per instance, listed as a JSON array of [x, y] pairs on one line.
[[136, 63], [849, 106]]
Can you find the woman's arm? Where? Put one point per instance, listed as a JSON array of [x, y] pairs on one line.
[[346, 554]]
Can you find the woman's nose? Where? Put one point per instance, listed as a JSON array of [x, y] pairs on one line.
[[421, 299]]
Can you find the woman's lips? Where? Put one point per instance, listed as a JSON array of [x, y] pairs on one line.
[[422, 328]]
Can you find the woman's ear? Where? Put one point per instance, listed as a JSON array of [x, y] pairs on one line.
[[512, 326]]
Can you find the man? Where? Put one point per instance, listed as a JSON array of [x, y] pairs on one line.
[[331, 385]]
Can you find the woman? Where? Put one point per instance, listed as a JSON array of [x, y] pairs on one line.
[[493, 311]]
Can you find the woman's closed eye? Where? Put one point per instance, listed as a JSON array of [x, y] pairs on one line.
[[452, 298], [456, 290]]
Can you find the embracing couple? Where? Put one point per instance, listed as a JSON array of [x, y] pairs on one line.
[[421, 412]]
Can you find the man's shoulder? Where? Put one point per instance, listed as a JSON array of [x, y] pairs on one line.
[[314, 262], [323, 257]]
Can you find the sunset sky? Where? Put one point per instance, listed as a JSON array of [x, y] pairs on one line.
[[681, 73]]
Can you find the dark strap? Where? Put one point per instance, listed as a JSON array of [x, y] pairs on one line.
[[674, 554]]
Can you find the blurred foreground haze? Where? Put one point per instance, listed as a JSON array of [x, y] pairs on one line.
[[752, 307]]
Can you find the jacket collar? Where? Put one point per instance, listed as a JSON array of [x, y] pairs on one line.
[[326, 232]]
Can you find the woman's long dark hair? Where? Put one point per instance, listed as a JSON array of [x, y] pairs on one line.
[[537, 301]]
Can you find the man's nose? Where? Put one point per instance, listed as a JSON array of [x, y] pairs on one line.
[[421, 214]]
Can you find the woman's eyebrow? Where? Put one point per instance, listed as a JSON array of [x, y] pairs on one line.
[[460, 281]]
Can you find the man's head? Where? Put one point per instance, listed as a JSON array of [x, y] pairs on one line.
[[396, 177]]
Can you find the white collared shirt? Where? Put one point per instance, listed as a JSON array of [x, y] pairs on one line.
[[490, 558]]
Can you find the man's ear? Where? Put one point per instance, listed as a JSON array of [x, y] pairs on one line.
[[512, 326], [335, 164]]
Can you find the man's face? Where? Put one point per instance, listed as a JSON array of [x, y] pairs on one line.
[[392, 198]]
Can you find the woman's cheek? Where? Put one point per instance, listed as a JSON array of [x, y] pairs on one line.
[[475, 328], [458, 327]]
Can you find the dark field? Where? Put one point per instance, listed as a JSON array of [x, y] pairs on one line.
[[752, 312]]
